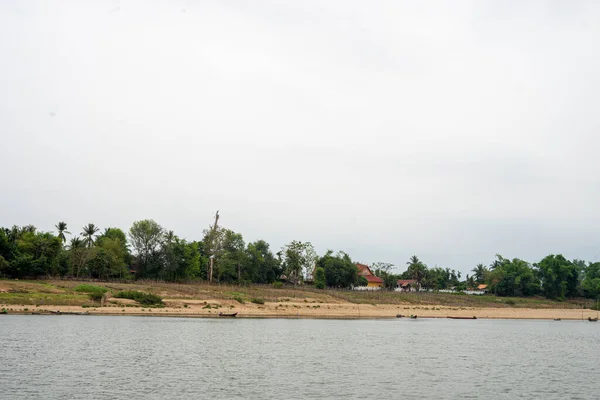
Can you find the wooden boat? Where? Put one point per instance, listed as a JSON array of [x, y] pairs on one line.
[[399, 316], [557, 319], [230, 315], [473, 317], [593, 319], [413, 317], [69, 313]]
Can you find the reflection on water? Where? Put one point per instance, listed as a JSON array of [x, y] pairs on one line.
[[66, 357]]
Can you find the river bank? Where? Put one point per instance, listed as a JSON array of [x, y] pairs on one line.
[[204, 301], [323, 311]]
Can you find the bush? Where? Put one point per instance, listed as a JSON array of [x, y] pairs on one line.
[[148, 299], [95, 296], [91, 289], [277, 285], [239, 299], [510, 302], [258, 301]]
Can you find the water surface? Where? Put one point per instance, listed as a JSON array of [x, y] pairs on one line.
[[94, 357]]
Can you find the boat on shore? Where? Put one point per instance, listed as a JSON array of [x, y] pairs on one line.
[[229, 315], [69, 313], [593, 319], [473, 317]]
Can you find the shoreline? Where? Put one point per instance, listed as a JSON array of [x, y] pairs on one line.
[[324, 311]]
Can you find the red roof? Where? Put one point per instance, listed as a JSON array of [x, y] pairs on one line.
[[373, 278], [364, 270], [406, 282]]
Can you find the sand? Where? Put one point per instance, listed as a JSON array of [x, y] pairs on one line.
[[198, 308]]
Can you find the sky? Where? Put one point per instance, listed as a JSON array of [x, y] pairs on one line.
[[451, 130]]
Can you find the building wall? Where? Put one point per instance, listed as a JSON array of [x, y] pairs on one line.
[[374, 284]]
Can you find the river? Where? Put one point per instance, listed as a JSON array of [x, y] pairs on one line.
[[95, 357]]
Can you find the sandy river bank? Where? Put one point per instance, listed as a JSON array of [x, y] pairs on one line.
[[191, 308]]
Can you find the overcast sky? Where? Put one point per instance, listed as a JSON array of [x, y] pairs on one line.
[[450, 130]]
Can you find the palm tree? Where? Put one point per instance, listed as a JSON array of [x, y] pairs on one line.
[[479, 272], [88, 234], [169, 237], [76, 243], [416, 269], [62, 229]]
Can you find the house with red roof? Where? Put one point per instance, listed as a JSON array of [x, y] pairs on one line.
[[407, 285], [372, 280]]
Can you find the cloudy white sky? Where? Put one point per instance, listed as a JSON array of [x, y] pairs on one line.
[[450, 130]]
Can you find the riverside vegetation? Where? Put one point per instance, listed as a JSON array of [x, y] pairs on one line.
[[149, 252]]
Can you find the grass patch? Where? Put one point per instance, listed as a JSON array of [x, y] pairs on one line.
[[43, 298], [147, 299], [239, 299], [257, 300]]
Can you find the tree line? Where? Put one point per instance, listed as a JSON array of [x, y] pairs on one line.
[[553, 277], [149, 251]]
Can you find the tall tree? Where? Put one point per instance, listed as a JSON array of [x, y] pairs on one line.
[[339, 269], [299, 259], [89, 232], [417, 270], [559, 277], [146, 237], [479, 273], [61, 227]]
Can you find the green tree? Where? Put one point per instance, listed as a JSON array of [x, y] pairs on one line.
[[417, 270], [61, 227], [299, 259], [480, 272], [513, 278], [146, 238], [339, 269], [89, 232], [262, 265], [591, 281], [320, 280], [559, 277]]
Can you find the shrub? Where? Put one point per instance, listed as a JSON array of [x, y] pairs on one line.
[[148, 299], [510, 302], [95, 296], [239, 299], [91, 289], [277, 285], [258, 301]]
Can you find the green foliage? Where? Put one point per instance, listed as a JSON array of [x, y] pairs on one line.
[[141, 297], [559, 277], [361, 281], [340, 271], [95, 296], [89, 234], [257, 301], [277, 285], [513, 278], [390, 281], [146, 237], [416, 270], [298, 259], [261, 265], [320, 280], [239, 299], [591, 282]]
